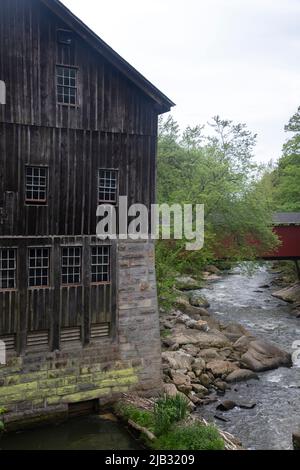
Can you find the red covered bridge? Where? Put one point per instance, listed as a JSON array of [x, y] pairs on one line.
[[287, 228]]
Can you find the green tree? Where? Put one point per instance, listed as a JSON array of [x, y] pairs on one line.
[[218, 171], [287, 175]]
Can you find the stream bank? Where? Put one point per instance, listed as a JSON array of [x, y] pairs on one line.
[[248, 301]]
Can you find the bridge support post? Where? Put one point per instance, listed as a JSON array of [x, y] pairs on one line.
[[297, 268]]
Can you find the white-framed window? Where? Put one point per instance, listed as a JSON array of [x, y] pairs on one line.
[[8, 268], [66, 83], [101, 264], [38, 267], [107, 186], [71, 265], [36, 184]]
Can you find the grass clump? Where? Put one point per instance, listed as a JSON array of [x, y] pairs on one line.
[[193, 437], [142, 417], [167, 424], [167, 411]]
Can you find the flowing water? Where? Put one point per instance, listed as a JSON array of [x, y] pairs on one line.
[[85, 433], [241, 298]]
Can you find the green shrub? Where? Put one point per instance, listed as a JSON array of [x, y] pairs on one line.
[[193, 437], [169, 410]]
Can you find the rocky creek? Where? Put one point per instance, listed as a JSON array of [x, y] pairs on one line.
[[270, 424]]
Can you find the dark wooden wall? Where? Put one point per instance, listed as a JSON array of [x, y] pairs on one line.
[[57, 309], [114, 126], [73, 158], [29, 53]]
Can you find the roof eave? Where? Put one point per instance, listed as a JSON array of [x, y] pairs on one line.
[[163, 103]]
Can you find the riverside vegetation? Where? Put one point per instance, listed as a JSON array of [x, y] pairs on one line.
[[166, 424], [202, 358], [214, 166]]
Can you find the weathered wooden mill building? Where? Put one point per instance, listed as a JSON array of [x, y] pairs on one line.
[[78, 316]]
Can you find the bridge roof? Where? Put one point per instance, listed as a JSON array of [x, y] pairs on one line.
[[286, 218]]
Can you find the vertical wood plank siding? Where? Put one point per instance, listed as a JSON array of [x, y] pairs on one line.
[[73, 158], [113, 126], [55, 307], [29, 53]]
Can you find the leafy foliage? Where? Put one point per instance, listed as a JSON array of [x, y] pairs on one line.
[[216, 170], [286, 177]]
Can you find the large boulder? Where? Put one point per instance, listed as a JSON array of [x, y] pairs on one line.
[[234, 331], [226, 405], [221, 368], [183, 304], [198, 366], [240, 375], [190, 349], [212, 269], [201, 339], [198, 300], [208, 354], [262, 356], [205, 380], [181, 380], [243, 343], [178, 359], [170, 390], [213, 323], [191, 323], [187, 283], [200, 389], [289, 294]]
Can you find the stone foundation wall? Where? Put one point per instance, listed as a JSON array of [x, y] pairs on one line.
[[40, 385]]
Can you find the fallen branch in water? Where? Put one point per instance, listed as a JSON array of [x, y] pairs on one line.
[[141, 429]]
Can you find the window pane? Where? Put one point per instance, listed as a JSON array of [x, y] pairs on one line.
[[101, 264], [66, 85], [107, 186], [8, 266], [36, 181], [71, 265], [38, 258]]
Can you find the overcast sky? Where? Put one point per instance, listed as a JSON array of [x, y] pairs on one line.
[[236, 58]]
